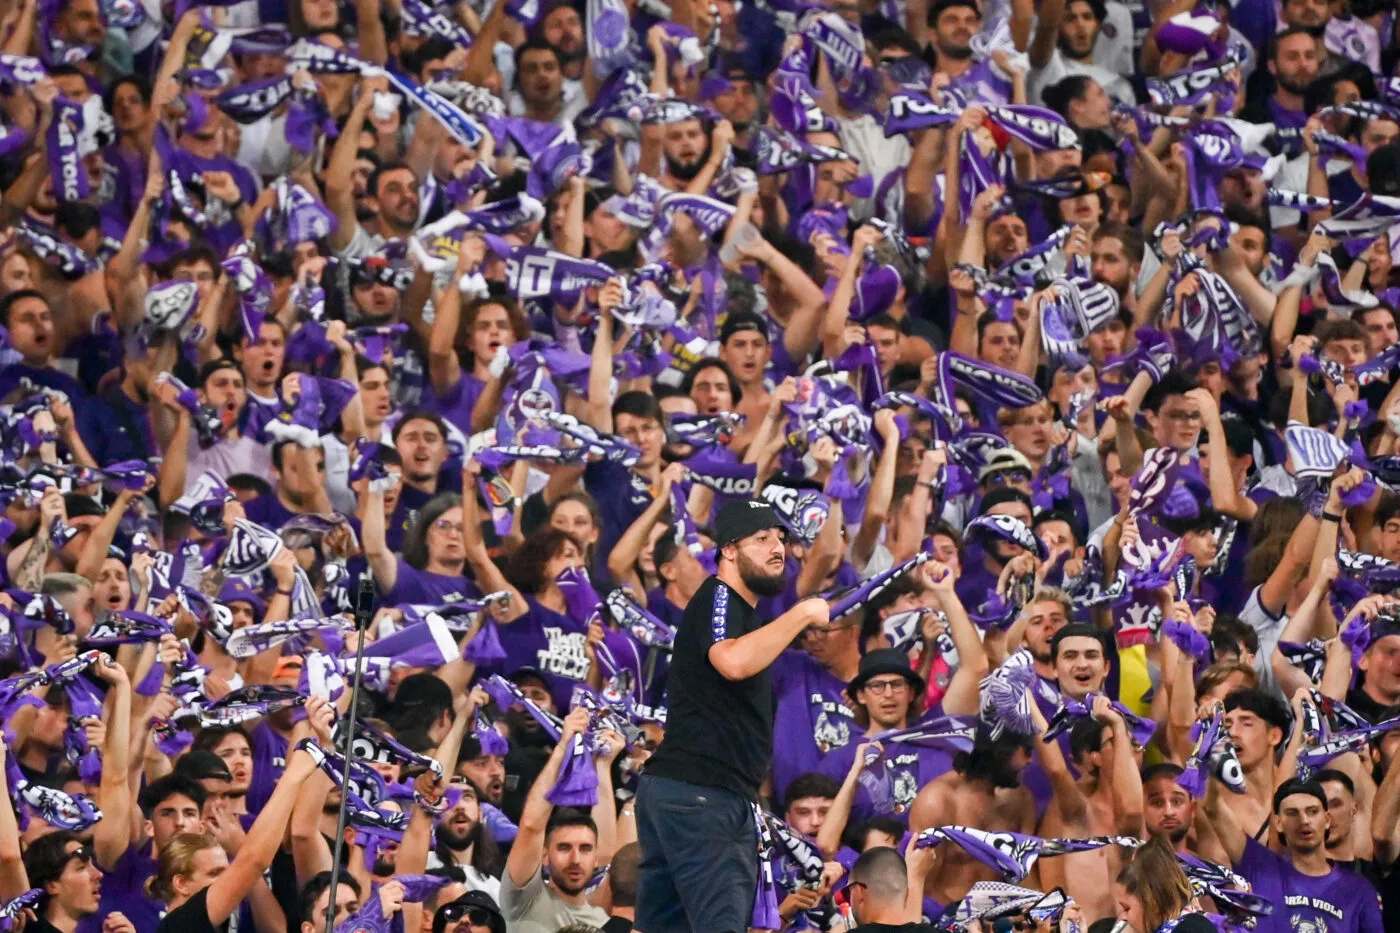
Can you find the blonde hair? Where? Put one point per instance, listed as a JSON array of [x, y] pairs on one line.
[[177, 858], [1217, 674], [1155, 878], [1053, 594]]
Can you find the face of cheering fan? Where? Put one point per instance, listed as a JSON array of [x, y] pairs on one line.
[[238, 755]]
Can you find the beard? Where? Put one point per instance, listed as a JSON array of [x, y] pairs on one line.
[[458, 842], [559, 882], [686, 171], [1291, 86], [958, 53], [759, 580], [383, 868]]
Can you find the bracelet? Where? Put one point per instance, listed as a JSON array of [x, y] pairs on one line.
[[1329, 517], [284, 593]]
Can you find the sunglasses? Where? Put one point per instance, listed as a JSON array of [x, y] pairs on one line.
[[474, 915], [1008, 477]]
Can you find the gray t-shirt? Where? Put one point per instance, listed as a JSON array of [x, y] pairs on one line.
[[537, 907]]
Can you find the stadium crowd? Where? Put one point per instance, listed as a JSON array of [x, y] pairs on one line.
[[710, 465]]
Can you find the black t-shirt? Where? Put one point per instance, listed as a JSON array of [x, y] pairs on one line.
[[191, 917], [1360, 701], [719, 732]]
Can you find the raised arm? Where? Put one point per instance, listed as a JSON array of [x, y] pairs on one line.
[[527, 851], [111, 834], [877, 500], [265, 837], [340, 171], [1223, 821], [488, 575], [961, 698], [743, 657]]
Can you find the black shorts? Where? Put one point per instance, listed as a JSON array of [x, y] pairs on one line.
[[699, 865]]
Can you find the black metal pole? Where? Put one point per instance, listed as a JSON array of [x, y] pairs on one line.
[[364, 603]]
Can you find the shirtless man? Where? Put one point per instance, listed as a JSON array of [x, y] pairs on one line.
[[1257, 723], [983, 791], [1106, 800]]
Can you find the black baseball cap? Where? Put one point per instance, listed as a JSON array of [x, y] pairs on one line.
[[743, 517], [477, 907]]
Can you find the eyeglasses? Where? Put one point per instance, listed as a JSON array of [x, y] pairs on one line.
[[443, 524], [882, 687]]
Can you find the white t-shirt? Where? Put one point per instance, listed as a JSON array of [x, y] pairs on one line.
[[1268, 628], [1113, 49], [1059, 68], [864, 140]]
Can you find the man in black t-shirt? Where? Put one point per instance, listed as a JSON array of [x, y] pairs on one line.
[[695, 818], [878, 891]]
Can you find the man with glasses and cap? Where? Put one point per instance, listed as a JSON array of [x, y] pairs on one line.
[[473, 912], [695, 803]]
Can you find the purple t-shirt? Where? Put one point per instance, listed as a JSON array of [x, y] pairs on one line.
[[550, 641], [268, 511], [269, 760], [422, 586], [1340, 901], [811, 717], [456, 404], [124, 891], [895, 779]]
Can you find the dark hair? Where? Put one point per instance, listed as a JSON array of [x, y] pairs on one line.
[[1387, 508], [213, 366], [1264, 705], [883, 873], [1059, 515], [639, 404], [532, 44], [1085, 737], [421, 697], [278, 457], [364, 364], [1228, 631], [939, 7], [990, 758], [435, 47], [987, 319], [1244, 217], [415, 541], [419, 414], [1004, 494], [109, 94], [1173, 383], [209, 738], [1294, 786], [44, 860], [568, 817], [1134, 246], [243, 338], [1073, 630], [811, 784], [14, 298], [526, 568], [1059, 95], [1338, 777], [1288, 33], [713, 362], [1162, 769], [1099, 8], [247, 482], [372, 182], [1383, 168], [311, 892], [200, 764], [1339, 329], [191, 255], [741, 321], [623, 875], [76, 218]]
